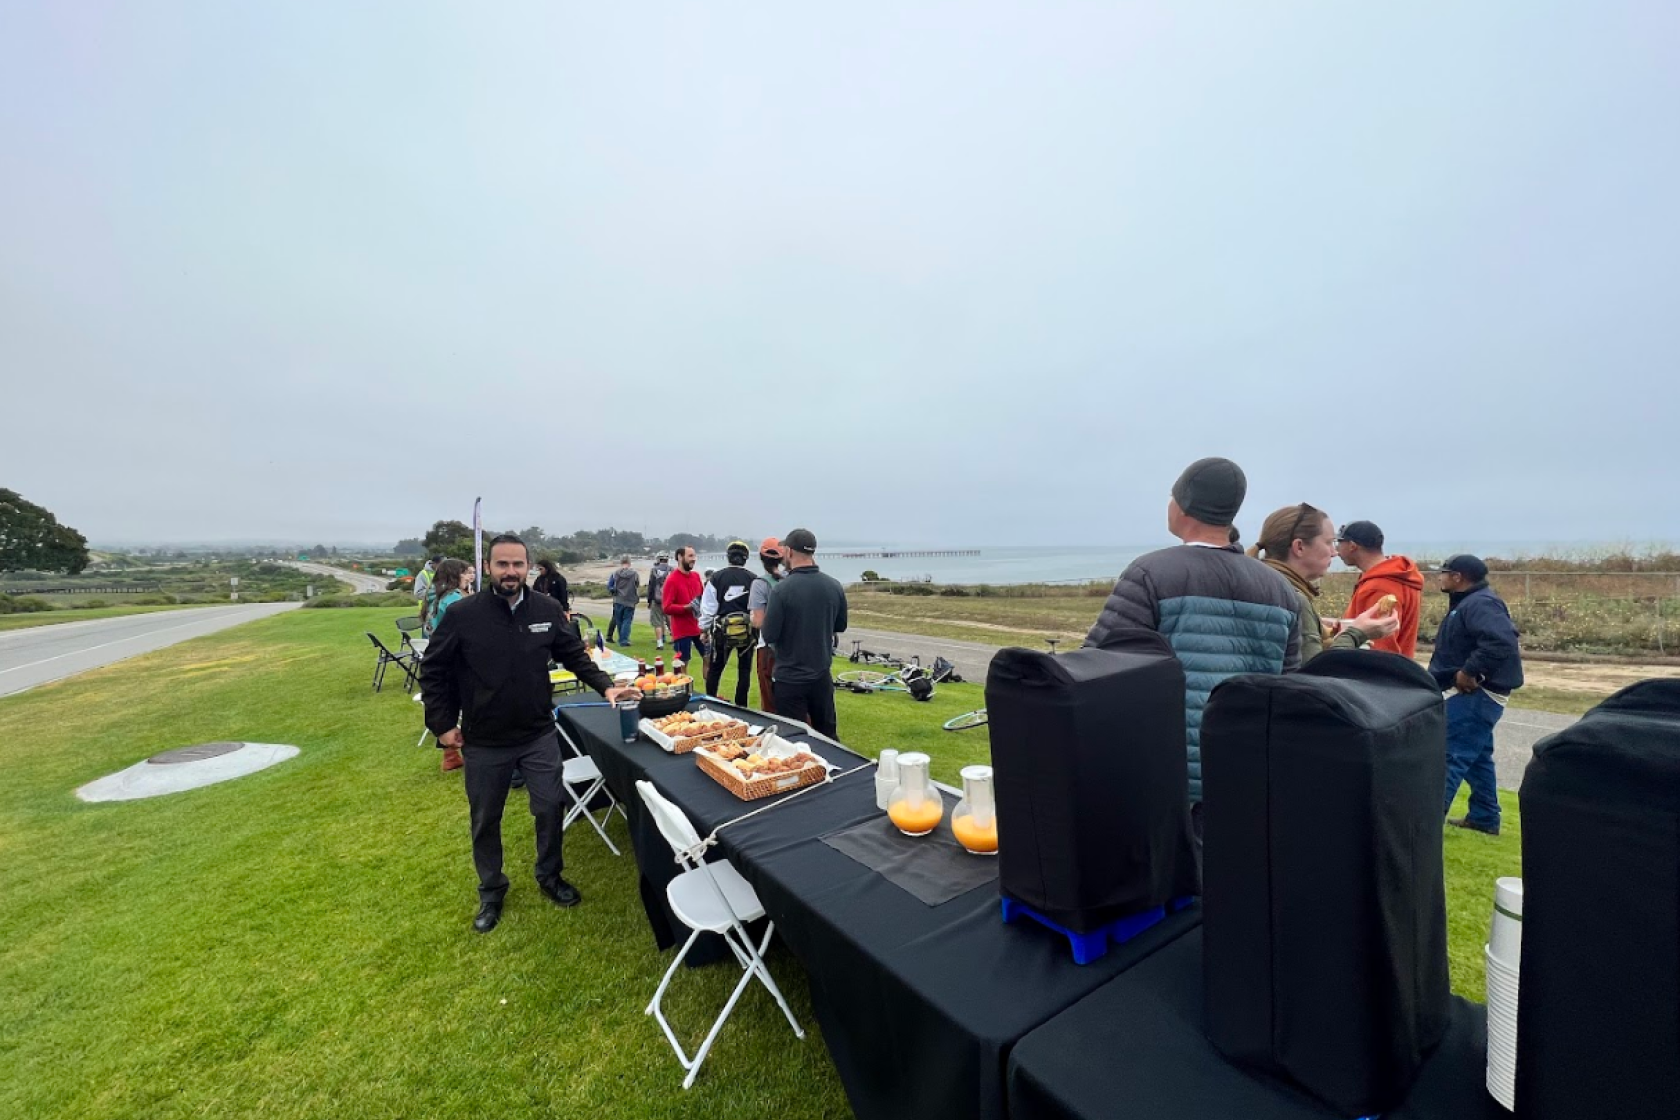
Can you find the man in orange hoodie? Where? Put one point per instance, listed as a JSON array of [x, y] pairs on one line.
[[1360, 545]]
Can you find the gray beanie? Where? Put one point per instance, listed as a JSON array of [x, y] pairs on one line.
[[1211, 491]]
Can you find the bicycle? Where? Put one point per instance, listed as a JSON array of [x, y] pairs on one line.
[[911, 678], [861, 656], [977, 718]]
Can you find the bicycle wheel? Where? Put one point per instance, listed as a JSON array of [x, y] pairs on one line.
[[861, 679], [965, 721]]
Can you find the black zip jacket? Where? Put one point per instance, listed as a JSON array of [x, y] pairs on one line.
[[488, 667]]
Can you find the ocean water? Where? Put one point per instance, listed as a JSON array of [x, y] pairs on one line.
[[1082, 563], [992, 565]]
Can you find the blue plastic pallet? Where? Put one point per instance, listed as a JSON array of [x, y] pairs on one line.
[[1091, 946]]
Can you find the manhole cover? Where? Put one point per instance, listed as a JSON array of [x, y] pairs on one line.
[[187, 768], [194, 754]]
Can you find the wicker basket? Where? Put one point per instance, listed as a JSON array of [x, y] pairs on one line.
[[726, 728], [754, 789]]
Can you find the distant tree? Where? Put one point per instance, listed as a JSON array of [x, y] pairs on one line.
[[31, 537], [409, 546], [452, 539]]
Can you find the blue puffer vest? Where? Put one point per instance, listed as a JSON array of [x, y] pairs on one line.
[[1223, 614]]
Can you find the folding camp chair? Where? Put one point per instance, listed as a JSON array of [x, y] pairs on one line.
[[407, 629], [709, 898], [406, 661], [583, 780]]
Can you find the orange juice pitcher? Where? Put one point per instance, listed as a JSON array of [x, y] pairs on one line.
[[974, 820], [915, 806]]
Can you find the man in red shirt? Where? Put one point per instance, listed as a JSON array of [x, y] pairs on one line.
[[1360, 545], [681, 603]]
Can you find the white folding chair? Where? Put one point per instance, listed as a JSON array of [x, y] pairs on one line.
[[709, 898], [583, 780], [424, 730]]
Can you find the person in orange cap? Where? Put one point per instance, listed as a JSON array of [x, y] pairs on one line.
[[774, 560]]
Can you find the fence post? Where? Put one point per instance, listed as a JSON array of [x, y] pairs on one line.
[[1527, 591]]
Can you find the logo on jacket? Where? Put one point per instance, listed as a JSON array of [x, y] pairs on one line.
[[539, 627], [734, 593]]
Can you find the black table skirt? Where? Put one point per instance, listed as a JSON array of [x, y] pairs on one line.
[[1136, 1049], [919, 1005]]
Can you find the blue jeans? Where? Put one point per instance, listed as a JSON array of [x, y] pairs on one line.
[[620, 625], [1470, 720]]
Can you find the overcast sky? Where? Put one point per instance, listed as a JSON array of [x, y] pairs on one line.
[[957, 272]]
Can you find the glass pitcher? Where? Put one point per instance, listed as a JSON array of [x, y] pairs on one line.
[[974, 820], [915, 806]]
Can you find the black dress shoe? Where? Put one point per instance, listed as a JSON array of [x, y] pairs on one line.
[[488, 915], [562, 892], [1465, 822]]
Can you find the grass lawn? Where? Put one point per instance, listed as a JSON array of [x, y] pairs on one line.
[[51, 618], [297, 943]]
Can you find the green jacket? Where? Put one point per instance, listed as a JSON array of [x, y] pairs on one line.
[[1312, 631]]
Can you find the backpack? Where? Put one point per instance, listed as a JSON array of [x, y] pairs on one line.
[[732, 629]]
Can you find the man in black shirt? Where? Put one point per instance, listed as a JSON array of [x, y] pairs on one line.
[[487, 667], [806, 610]]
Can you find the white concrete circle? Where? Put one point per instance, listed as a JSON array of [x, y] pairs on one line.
[[154, 779]]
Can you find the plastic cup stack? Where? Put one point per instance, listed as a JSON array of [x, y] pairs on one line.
[[886, 778], [1504, 964]]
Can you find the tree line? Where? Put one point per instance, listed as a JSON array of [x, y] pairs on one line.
[[455, 539]]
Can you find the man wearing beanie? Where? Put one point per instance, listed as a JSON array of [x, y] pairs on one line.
[[1222, 612]]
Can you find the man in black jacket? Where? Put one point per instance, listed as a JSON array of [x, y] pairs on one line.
[[1476, 656], [805, 611], [487, 667]]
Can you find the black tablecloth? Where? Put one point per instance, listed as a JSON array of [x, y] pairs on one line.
[[1136, 1048], [919, 1005]]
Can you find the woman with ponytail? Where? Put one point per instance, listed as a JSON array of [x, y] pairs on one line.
[[1299, 542]]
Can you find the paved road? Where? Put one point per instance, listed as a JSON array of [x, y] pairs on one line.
[[364, 585], [49, 653]]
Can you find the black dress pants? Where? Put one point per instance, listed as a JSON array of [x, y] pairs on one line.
[[489, 772], [811, 702]]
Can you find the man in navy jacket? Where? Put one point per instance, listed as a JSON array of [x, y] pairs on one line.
[[1477, 659]]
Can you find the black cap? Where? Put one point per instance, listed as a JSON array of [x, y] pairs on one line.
[[1211, 491], [1365, 534], [801, 540], [1470, 567]]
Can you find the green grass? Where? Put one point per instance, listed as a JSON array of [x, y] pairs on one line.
[[53, 617], [297, 943]]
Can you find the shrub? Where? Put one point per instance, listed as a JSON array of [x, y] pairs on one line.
[[870, 576], [953, 591], [153, 600], [30, 604], [88, 604]]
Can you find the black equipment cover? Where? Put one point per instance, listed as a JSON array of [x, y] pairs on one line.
[[1324, 903], [1598, 1014], [1091, 781]]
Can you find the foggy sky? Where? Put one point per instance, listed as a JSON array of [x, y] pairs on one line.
[[973, 272]]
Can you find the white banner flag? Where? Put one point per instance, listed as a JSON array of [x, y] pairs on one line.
[[478, 546]]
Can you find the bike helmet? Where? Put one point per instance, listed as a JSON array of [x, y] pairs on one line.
[[737, 552]]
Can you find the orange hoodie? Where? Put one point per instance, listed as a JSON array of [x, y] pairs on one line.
[[1399, 577]]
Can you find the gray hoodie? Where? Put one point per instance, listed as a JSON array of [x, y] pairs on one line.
[[626, 582]]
